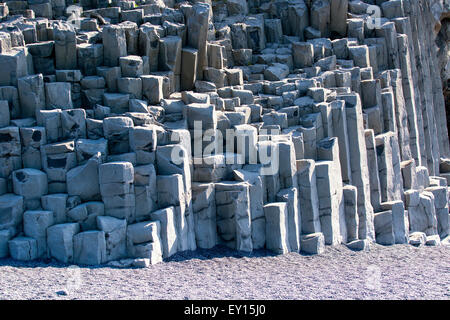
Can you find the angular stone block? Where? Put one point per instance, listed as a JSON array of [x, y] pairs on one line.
[[143, 241], [86, 214], [233, 215], [83, 180], [23, 248], [384, 228], [313, 243], [116, 131], [58, 204], [73, 123], [114, 44], [32, 184], [152, 88], [89, 248], [115, 235], [60, 241], [35, 224], [5, 236], [58, 95], [31, 95], [166, 218], [308, 199], [277, 238]]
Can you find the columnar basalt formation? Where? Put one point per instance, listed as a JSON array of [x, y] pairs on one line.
[[133, 130]]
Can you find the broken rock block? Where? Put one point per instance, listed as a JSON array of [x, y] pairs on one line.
[[233, 215], [145, 191], [293, 218], [90, 56], [117, 189], [114, 44], [130, 86], [10, 151], [15, 66], [23, 248], [400, 222], [60, 241], [58, 95], [257, 196], [166, 218], [131, 66], [5, 236], [32, 140], [359, 245], [89, 248], [11, 212], [73, 123], [417, 238], [384, 229], [277, 238], [116, 131], [143, 241], [320, 16], [204, 208], [331, 205], [171, 192], [111, 74], [57, 160], [35, 224], [351, 212], [5, 115], [143, 141], [276, 72], [308, 198], [441, 204], [82, 181], [51, 121], [86, 214], [115, 237], [88, 148], [65, 47], [433, 240], [170, 54], [313, 243], [31, 95], [58, 204], [189, 60], [422, 212], [152, 88], [32, 185]]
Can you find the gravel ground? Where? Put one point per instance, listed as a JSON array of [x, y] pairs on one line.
[[396, 272]]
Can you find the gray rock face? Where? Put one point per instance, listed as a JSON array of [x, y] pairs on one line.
[[114, 44], [143, 241], [204, 208], [233, 215], [166, 218], [313, 243], [60, 241], [32, 184], [277, 233], [31, 94], [58, 95], [143, 130], [89, 248], [115, 236], [82, 181], [86, 214], [35, 224], [23, 248], [117, 189], [5, 236]]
